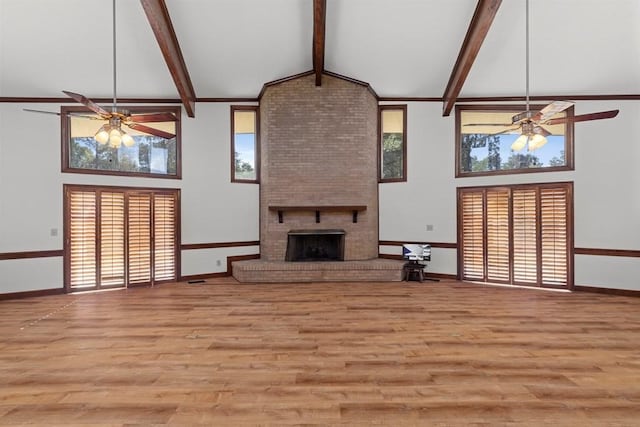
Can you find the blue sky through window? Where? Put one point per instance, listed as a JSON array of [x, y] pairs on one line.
[[245, 145], [553, 147]]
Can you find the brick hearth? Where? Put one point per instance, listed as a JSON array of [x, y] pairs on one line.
[[376, 270]]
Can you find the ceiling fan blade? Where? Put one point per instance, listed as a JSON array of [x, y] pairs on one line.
[[541, 131], [551, 110], [522, 117], [40, 111], [505, 131], [82, 116], [150, 130], [154, 117], [483, 139], [488, 124], [87, 103], [584, 117]]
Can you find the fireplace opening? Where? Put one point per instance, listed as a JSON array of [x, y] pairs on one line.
[[315, 245]]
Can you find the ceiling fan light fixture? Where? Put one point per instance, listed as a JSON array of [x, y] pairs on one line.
[[536, 142], [115, 137], [127, 139], [102, 136], [519, 143]]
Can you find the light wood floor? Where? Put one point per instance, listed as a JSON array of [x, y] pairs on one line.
[[225, 354]]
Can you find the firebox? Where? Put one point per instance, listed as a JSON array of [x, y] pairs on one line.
[[315, 245]]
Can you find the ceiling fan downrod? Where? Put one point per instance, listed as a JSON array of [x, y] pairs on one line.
[[115, 102], [526, 43]]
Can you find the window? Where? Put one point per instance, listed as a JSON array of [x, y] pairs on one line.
[[485, 138], [393, 143], [150, 156], [245, 147], [516, 234], [119, 237]]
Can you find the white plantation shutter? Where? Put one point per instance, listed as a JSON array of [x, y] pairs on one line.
[[139, 228], [554, 241], [525, 238], [82, 235], [498, 265], [164, 246], [472, 235], [120, 237], [112, 238], [517, 235]]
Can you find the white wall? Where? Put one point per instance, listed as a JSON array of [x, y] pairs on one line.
[[607, 195], [606, 186], [429, 195], [213, 209], [606, 191]]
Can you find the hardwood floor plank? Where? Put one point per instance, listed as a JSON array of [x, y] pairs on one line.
[[357, 354]]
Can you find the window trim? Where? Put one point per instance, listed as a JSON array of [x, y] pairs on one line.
[[66, 135], [568, 144], [256, 109], [403, 108]]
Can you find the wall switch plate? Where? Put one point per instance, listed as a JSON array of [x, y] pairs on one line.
[[429, 227], [218, 263]]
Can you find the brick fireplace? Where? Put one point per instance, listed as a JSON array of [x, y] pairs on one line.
[[315, 245], [319, 154], [318, 150]]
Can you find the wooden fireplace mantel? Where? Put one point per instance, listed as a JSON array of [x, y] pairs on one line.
[[354, 209]]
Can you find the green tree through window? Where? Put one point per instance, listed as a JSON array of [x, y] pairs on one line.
[[392, 155], [393, 144]]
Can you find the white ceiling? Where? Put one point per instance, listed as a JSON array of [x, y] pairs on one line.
[[401, 47]]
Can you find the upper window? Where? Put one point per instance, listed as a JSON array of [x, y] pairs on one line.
[[488, 144], [245, 149], [89, 145], [393, 143]]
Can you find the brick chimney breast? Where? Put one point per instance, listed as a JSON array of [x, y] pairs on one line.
[[319, 151]]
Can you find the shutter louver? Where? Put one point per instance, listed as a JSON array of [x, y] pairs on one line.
[[164, 229], [82, 239], [553, 221], [498, 236], [525, 236], [111, 239], [472, 236], [139, 238]]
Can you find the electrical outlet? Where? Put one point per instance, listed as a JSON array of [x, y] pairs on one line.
[[429, 227], [53, 232], [218, 263]]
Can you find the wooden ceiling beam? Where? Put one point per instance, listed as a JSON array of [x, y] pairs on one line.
[[160, 21], [319, 19], [478, 28]]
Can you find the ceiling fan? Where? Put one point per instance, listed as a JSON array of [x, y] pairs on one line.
[[531, 123], [112, 132]]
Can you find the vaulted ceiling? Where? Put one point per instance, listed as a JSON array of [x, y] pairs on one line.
[[402, 48]]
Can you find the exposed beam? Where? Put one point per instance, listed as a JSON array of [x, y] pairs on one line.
[[478, 28], [319, 19], [160, 22]]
